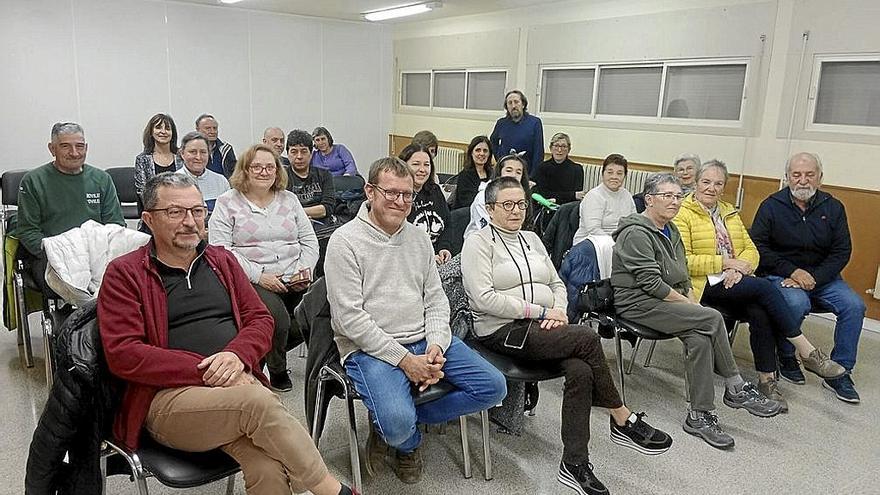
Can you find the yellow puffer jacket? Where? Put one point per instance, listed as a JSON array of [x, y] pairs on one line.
[[698, 236]]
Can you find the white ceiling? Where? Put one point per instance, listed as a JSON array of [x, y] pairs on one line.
[[351, 9]]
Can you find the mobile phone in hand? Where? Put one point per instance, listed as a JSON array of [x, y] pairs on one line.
[[304, 275]]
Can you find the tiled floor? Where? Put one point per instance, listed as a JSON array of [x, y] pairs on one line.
[[821, 446]]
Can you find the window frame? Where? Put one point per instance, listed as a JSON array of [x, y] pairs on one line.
[[657, 118], [813, 96], [455, 110]]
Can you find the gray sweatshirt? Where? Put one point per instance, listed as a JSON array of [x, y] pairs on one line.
[[384, 291], [646, 265], [508, 276]]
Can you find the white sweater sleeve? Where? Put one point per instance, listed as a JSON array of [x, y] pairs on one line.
[[220, 227]]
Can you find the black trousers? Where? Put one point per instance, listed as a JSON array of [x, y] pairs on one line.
[[588, 380], [287, 334]]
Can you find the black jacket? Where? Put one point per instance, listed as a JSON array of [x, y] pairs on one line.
[[78, 414], [816, 240], [560, 231], [559, 180], [467, 187]]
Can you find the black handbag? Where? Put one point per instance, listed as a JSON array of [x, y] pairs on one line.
[[597, 297]]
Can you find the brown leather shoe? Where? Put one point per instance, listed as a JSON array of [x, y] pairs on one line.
[[770, 389], [408, 467], [819, 363], [377, 451]]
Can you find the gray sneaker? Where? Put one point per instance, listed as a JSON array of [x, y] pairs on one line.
[[770, 389], [704, 424], [819, 363], [753, 401]]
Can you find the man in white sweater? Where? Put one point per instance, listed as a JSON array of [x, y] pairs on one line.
[[391, 320]]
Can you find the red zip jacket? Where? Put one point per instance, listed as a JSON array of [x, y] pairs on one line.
[[133, 316]]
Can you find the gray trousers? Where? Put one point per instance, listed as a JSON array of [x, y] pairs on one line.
[[704, 335]]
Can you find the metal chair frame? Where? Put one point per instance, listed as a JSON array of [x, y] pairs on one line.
[[327, 373]]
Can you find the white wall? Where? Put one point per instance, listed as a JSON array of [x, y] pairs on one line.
[[111, 64], [634, 30]]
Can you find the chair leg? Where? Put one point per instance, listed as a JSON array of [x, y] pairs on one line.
[[142, 486], [620, 366], [732, 336], [632, 357], [650, 354], [230, 485], [23, 327], [465, 447], [103, 466], [353, 444], [48, 350], [487, 452], [687, 381], [302, 350], [316, 420]]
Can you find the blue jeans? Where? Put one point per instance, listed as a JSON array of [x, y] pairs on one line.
[[835, 297], [387, 392]]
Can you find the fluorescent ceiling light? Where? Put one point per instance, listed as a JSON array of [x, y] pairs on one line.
[[403, 11], [229, 1]]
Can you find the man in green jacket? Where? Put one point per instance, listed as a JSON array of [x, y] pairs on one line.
[[61, 195]]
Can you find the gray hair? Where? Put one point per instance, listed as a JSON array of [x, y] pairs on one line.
[[166, 179], [498, 185], [66, 128], [203, 117], [716, 163], [803, 154], [653, 182], [686, 157], [193, 136]]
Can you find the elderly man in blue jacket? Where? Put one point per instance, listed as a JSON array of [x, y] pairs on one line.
[[804, 242]]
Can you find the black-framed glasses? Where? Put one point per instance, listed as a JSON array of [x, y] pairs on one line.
[[510, 205], [407, 196], [179, 212], [256, 168], [668, 196]]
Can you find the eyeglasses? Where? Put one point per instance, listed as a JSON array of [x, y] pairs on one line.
[[560, 146], [256, 168], [510, 205], [179, 212], [393, 195], [668, 196]]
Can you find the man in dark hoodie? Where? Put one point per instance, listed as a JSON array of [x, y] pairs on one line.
[[312, 185], [804, 242], [652, 287]]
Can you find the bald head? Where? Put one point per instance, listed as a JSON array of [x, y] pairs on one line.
[[274, 138]]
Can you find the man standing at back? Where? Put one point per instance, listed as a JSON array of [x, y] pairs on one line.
[[222, 155], [61, 195], [803, 238], [519, 132], [391, 320]]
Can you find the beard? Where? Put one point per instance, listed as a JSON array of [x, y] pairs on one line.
[[803, 193], [181, 243]]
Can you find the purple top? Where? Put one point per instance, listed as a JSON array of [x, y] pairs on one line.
[[338, 162]]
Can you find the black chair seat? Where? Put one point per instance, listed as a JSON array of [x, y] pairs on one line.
[[179, 469], [642, 331], [519, 370]]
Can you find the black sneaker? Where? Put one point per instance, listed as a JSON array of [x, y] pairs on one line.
[[580, 478], [790, 370], [844, 388], [280, 382], [640, 436]]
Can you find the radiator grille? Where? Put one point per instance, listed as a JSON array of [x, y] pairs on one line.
[[634, 182], [448, 160]]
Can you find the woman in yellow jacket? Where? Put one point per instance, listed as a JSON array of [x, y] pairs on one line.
[[721, 260]]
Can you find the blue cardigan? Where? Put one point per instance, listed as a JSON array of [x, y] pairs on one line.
[[526, 135]]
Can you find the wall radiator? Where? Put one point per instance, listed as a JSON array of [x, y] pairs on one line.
[[448, 160], [634, 182]]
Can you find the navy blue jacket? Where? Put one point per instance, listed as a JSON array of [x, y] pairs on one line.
[[816, 240], [526, 135]]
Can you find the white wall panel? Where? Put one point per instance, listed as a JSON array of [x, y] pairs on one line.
[[37, 86], [210, 69], [123, 75]]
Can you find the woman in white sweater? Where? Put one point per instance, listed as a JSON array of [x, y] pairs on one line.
[[519, 306], [606, 203], [268, 231]]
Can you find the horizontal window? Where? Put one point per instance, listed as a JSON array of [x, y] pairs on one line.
[[469, 89], [568, 90], [713, 92], [629, 91], [849, 93]]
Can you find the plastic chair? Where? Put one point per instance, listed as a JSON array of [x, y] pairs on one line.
[[123, 179]]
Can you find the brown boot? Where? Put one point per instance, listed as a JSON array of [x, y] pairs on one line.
[[770, 389], [819, 363], [408, 467], [377, 451]]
